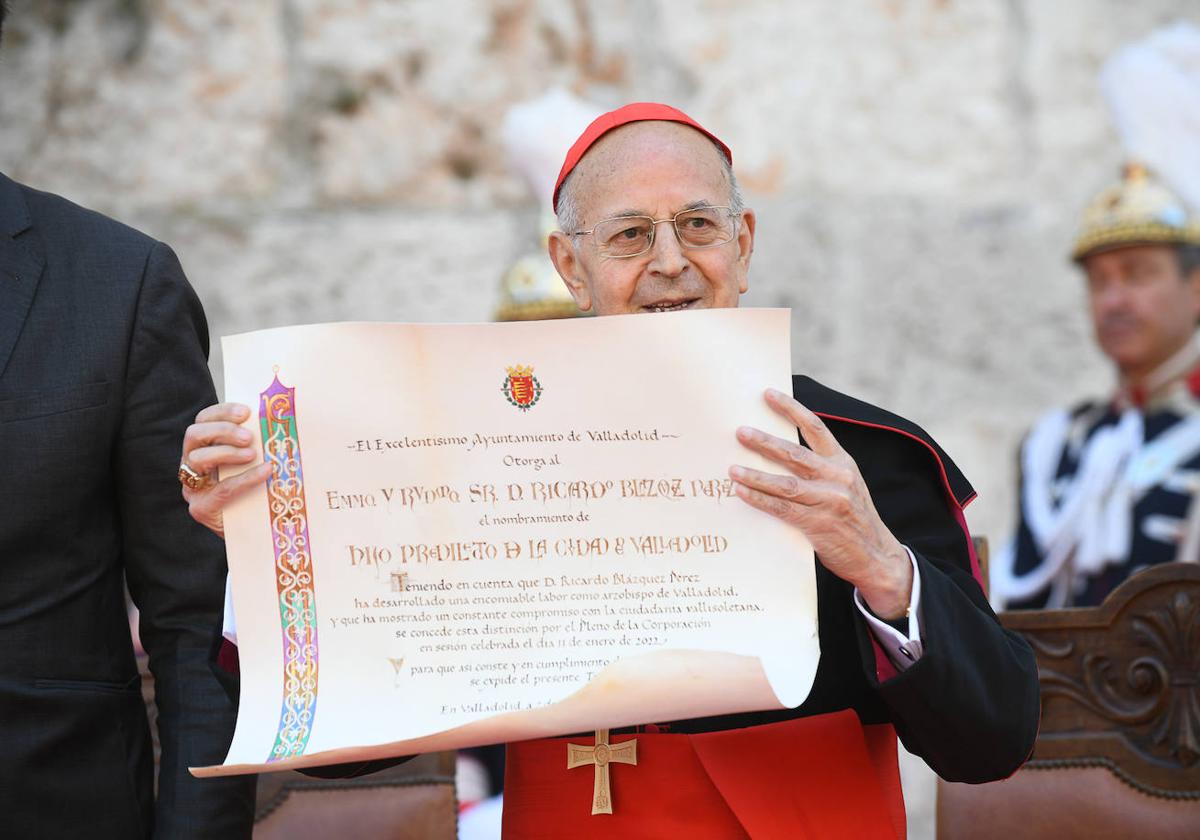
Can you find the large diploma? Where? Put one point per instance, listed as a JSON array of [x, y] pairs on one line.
[[484, 533]]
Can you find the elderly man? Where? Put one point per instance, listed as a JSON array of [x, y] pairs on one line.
[[1109, 486], [652, 221]]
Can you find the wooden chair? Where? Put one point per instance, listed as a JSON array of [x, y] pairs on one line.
[[412, 801], [1118, 752]]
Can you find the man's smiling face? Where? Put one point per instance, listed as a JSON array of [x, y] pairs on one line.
[[654, 169]]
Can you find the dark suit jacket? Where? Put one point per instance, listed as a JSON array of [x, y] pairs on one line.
[[102, 367]]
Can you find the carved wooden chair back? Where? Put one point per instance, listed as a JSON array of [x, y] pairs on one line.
[[1118, 752], [411, 801]]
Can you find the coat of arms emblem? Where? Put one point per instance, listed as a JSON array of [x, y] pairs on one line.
[[521, 388]]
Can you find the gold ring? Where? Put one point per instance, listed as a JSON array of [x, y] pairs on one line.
[[192, 479]]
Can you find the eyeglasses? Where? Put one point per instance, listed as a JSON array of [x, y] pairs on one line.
[[631, 236]]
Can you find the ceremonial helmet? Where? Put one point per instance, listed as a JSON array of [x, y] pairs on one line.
[[1152, 88], [1138, 210]]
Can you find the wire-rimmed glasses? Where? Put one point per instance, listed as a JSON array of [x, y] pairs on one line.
[[622, 237]]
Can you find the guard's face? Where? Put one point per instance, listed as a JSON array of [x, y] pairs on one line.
[[654, 169], [1143, 309]]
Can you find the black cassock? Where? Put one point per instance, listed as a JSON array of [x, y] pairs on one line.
[[970, 705]]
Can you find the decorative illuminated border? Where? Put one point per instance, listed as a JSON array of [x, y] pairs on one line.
[[293, 569]]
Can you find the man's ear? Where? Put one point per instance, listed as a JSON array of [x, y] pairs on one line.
[[745, 242], [1193, 281], [567, 264]]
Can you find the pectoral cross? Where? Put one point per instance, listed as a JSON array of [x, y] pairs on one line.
[[601, 755]]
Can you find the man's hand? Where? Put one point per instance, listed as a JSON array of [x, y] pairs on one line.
[[824, 495], [216, 440]]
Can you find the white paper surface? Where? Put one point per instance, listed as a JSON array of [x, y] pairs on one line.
[[478, 571]]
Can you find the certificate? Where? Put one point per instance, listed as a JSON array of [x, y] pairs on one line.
[[492, 532]]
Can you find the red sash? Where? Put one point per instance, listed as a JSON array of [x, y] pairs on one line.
[[814, 777]]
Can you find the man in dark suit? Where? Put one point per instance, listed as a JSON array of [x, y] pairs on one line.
[[102, 366]]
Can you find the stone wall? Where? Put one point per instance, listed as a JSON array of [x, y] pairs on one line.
[[917, 165]]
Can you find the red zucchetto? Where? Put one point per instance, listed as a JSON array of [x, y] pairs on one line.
[[633, 112]]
